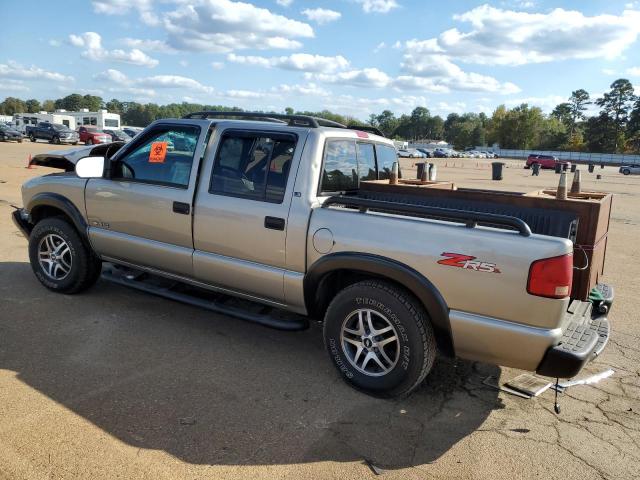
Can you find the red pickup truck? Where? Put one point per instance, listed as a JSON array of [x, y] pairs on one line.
[[545, 161], [93, 136]]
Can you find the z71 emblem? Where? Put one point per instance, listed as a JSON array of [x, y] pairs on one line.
[[467, 262]]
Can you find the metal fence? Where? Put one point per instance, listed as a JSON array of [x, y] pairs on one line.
[[578, 157]]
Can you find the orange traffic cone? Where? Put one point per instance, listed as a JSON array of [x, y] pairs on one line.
[[29, 166]]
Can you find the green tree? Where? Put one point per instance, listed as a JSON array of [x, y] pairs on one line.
[[33, 106], [616, 105], [48, 105], [12, 105], [563, 113], [578, 104], [92, 102]]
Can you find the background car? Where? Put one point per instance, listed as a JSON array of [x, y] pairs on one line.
[[52, 132], [8, 134], [93, 136], [545, 161], [630, 170], [132, 131], [426, 152], [118, 135]]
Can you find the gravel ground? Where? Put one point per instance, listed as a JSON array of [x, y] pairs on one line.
[[118, 384]]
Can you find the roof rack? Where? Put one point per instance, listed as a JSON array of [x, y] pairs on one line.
[[291, 120]]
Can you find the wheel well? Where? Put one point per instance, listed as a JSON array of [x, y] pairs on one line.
[[45, 211], [336, 280]]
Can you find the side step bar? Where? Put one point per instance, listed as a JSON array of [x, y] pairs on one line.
[[199, 297]]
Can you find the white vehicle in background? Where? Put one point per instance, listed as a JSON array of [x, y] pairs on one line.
[[410, 153], [23, 120], [630, 170], [100, 119]]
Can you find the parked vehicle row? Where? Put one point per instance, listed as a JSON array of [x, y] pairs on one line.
[[8, 134], [59, 133]]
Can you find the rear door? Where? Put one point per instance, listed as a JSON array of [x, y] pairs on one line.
[[142, 214], [242, 206]]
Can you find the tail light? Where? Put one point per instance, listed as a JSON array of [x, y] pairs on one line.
[[551, 277]]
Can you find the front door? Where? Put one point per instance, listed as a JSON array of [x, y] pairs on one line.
[[142, 213], [242, 205]]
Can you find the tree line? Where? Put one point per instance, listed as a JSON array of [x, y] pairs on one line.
[[615, 128]]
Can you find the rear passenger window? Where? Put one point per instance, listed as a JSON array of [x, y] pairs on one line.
[[340, 166], [164, 157], [386, 158], [253, 165], [366, 162]]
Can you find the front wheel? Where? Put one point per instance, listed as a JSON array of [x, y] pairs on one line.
[[89, 142], [379, 338], [59, 258], [32, 137], [626, 171], [56, 140]]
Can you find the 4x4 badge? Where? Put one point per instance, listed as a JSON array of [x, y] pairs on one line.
[[467, 262]]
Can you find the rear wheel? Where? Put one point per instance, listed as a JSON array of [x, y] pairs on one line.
[[379, 338], [59, 258], [56, 140], [626, 171], [32, 137]]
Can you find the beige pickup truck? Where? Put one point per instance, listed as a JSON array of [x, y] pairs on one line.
[[266, 210]]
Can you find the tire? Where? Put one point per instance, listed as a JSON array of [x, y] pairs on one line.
[[89, 142], [407, 359], [626, 171], [74, 143], [56, 140], [32, 137], [81, 264]]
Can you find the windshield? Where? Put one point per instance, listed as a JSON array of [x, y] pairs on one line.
[[61, 128], [118, 133]]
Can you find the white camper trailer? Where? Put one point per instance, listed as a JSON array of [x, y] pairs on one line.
[[21, 120]]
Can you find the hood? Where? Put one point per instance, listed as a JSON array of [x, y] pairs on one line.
[[66, 159]]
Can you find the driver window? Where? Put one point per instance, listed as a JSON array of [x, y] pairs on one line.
[[164, 157], [253, 165]]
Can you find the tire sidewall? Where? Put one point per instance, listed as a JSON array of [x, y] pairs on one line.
[[77, 249], [410, 363]]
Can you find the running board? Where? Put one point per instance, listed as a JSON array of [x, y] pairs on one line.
[[199, 297]]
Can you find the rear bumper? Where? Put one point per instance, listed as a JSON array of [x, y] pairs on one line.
[[584, 338], [21, 220]]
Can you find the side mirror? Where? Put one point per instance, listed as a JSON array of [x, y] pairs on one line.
[[90, 167]]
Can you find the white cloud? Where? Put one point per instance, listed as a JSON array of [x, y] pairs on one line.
[[310, 89], [284, 3], [366, 77], [243, 94], [546, 103], [321, 15], [608, 71], [17, 71], [123, 7], [148, 45], [10, 85], [304, 62], [378, 6], [222, 26], [379, 47], [91, 42], [507, 37], [155, 81], [217, 65], [635, 71]]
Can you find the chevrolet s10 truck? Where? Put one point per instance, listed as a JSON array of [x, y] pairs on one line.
[[267, 208]]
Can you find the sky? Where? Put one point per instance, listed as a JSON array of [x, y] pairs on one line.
[[353, 57]]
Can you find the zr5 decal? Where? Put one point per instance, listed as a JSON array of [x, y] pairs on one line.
[[467, 262]]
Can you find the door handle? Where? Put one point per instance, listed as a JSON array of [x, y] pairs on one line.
[[274, 223], [182, 208]]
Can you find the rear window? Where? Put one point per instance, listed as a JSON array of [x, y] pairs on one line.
[[347, 162]]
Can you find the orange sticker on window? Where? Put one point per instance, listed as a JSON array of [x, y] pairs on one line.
[[158, 152]]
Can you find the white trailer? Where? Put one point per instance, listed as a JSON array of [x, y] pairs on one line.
[[100, 119], [21, 120]]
